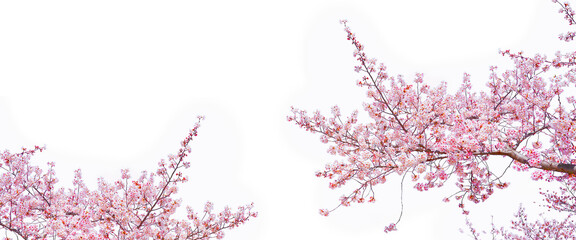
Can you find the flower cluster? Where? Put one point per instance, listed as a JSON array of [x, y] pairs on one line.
[[568, 12], [521, 228], [430, 135], [31, 207]]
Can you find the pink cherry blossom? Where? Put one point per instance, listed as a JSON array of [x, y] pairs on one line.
[[31, 207], [431, 135]]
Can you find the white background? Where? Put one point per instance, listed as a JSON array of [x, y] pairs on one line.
[[107, 85]]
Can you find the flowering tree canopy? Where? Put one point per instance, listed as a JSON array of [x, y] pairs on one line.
[[429, 135], [31, 207]]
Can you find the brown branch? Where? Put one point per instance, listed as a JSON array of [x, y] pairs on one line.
[[544, 165]]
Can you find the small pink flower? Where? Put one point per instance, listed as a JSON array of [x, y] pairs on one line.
[[324, 212], [390, 228], [125, 173]]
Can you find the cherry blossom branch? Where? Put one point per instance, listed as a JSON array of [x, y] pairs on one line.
[[182, 153], [417, 129], [32, 208], [544, 165]]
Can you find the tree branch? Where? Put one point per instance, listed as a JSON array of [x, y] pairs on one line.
[[544, 165]]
